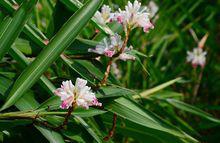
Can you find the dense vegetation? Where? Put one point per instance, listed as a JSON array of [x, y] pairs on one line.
[[144, 88]]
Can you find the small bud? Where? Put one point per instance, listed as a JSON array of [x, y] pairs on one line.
[[46, 41], [16, 6]]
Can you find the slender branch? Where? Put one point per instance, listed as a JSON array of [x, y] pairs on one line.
[[108, 68], [112, 131], [28, 114], [197, 85], [70, 110], [125, 41], [34, 115], [84, 57]]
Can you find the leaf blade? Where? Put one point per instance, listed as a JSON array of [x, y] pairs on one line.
[[15, 26]]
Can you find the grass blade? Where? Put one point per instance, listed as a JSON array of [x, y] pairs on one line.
[[21, 59], [89, 129], [148, 92], [192, 109]]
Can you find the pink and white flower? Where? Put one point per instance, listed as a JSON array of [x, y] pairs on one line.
[[103, 48], [104, 16], [111, 46], [134, 16], [80, 94], [197, 57], [153, 8], [125, 54]]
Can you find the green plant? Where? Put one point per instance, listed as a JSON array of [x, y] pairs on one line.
[[52, 46]]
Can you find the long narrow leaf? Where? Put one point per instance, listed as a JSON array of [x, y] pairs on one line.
[[129, 110], [148, 92], [15, 26], [192, 109], [21, 59]]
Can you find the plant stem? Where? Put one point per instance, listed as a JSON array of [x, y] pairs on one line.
[[108, 68], [70, 110], [111, 132], [34, 115], [28, 114], [107, 72], [197, 85]]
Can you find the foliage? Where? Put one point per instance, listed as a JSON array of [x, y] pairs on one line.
[[158, 98]]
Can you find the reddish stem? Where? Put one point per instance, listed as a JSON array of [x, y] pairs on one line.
[[108, 69], [197, 85], [46, 124], [112, 131]]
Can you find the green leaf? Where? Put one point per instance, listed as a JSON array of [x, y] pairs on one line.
[[51, 136], [23, 61], [23, 46], [192, 109], [62, 39], [28, 102], [6, 124], [131, 111], [8, 5], [15, 26], [164, 94], [4, 84], [140, 133], [111, 91], [148, 92], [89, 129]]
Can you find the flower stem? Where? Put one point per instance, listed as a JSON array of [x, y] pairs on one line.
[[70, 110], [111, 132], [197, 85], [108, 68]]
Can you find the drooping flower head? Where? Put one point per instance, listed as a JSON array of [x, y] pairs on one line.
[[104, 16], [103, 48], [116, 70], [134, 16], [197, 57], [80, 94], [153, 8], [111, 46]]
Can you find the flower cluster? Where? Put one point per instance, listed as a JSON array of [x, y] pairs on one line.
[[80, 94], [104, 16], [197, 57], [111, 46], [133, 16]]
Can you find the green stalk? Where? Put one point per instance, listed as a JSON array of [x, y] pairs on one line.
[[58, 44], [15, 26], [21, 59]]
